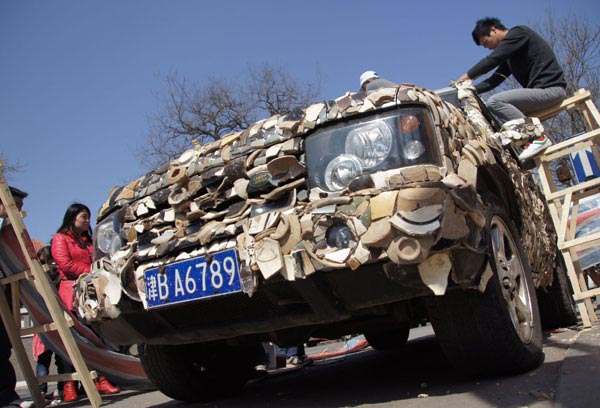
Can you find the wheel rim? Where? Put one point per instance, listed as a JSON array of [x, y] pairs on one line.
[[513, 282]]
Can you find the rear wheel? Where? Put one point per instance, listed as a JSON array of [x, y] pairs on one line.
[[388, 339], [557, 306], [499, 331], [197, 372]]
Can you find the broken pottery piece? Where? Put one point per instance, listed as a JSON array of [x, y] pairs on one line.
[[360, 256], [468, 172], [423, 221], [454, 224], [338, 256], [268, 257], [422, 215], [434, 272], [289, 268], [383, 205], [165, 236], [410, 199], [285, 168], [408, 250], [379, 234]]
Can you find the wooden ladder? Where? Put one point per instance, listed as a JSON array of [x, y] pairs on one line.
[[60, 320], [564, 203]]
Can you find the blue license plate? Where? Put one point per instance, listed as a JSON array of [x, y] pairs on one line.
[[193, 279]]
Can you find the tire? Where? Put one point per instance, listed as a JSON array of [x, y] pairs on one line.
[[497, 332], [557, 306], [197, 372], [388, 339]]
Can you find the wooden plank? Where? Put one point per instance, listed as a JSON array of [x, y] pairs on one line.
[[587, 301], [586, 241], [15, 278], [561, 228], [572, 274], [38, 329], [574, 204], [592, 110], [555, 208], [587, 294], [581, 246], [576, 188], [545, 173], [44, 328], [591, 135], [549, 156], [584, 194]]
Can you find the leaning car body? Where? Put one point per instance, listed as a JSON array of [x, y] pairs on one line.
[[339, 218]]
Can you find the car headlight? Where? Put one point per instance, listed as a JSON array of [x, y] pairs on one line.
[[338, 154], [106, 239], [413, 149], [370, 143], [341, 171]]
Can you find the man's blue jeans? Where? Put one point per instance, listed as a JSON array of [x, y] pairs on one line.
[[520, 103], [43, 368], [295, 351]]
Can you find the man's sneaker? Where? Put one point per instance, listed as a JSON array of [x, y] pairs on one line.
[[536, 147], [297, 361], [260, 371]]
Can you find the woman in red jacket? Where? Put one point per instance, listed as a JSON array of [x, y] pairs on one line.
[[72, 252]]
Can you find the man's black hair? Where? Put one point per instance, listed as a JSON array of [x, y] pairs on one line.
[[484, 26], [17, 193]]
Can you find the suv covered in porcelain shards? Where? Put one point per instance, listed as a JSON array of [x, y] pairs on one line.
[[365, 214]]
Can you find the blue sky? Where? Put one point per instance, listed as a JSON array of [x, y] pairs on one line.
[[78, 79]]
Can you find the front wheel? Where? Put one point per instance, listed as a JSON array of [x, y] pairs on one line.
[[197, 372], [388, 339], [556, 303], [499, 331]]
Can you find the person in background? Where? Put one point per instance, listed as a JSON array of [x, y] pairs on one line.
[[370, 82], [72, 252], [262, 361], [296, 356], [8, 379], [41, 354], [525, 55]]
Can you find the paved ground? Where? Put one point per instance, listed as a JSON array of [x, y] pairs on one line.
[[418, 376]]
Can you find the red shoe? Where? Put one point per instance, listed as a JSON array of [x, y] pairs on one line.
[[69, 391], [105, 387]]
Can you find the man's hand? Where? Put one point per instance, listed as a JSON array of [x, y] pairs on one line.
[[463, 77], [465, 88]]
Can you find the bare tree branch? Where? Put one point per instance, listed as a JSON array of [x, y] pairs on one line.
[[274, 91], [9, 168], [576, 43], [220, 107]]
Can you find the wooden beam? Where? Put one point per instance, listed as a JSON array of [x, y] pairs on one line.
[[579, 97]]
